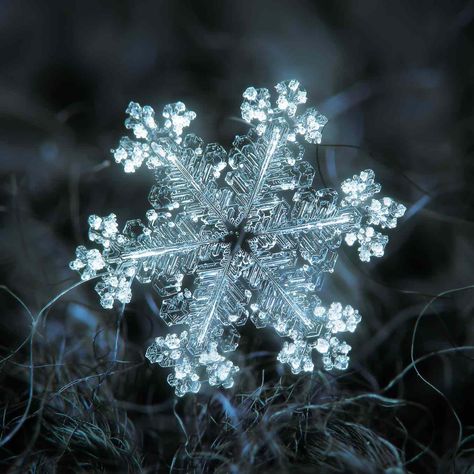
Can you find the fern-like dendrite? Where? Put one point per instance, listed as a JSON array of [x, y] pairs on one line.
[[247, 229]]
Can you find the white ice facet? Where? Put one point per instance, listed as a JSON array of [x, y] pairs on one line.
[[245, 229]]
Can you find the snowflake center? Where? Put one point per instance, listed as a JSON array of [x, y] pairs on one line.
[[239, 237]]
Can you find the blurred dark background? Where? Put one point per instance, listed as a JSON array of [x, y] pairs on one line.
[[396, 80]]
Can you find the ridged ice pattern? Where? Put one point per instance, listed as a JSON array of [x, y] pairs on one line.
[[245, 229]]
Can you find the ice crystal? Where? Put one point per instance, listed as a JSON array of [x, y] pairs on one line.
[[246, 228]]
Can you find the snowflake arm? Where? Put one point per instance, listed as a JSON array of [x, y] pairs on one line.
[[317, 218], [186, 171], [217, 306], [278, 297], [264, 152], [268, 159], [146, 253]]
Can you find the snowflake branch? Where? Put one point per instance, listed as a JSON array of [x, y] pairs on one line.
[[276, 133], [181, 247], [300, 313], [195, 188], [214, 301], [350, 216]]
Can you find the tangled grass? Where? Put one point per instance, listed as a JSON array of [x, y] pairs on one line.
[[76, 404]]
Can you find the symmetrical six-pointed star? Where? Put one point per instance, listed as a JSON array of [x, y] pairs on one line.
[[246, 229]]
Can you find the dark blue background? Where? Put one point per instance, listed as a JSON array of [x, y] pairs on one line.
[[394, 78]]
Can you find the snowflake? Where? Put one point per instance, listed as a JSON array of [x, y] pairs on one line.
[[245, 230]]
